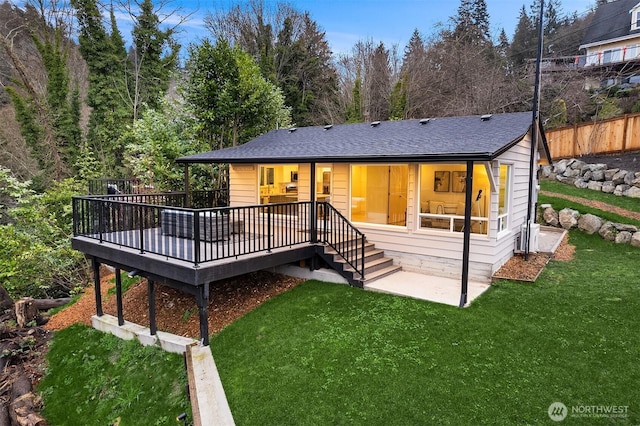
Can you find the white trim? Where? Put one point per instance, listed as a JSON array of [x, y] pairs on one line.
[[603, 43]]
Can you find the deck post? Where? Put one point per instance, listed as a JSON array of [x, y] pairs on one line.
[[187, 194], [202, 300], [119, 297], [314, 205], [467, 234], [151, 291], [96, 283]]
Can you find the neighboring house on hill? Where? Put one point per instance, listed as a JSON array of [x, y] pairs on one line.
[[614, 34], [402, 183]]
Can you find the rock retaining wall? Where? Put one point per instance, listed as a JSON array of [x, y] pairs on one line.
[[597, 177], [591, 224]]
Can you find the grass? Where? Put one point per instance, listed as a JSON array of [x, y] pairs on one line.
[[330, 354], [631, 204], [94, 378]]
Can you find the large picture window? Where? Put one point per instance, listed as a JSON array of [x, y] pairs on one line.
[[379, 194], [442, 205]]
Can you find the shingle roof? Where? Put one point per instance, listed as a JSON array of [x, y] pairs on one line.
[[450, 138], [611, 21]]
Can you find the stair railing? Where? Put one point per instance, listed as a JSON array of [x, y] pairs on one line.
[[336, 231]]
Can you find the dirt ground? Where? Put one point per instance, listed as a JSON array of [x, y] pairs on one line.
[[177, 312], [629, 161]]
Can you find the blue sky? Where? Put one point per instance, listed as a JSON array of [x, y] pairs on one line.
[[390, 21]]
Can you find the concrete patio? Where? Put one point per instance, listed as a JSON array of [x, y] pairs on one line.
[[423, 286]]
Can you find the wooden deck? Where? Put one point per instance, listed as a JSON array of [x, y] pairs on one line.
[[153, 236]]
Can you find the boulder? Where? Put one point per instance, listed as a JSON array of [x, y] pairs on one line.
[[623, 227], [620, 190], [587, 175], [635, 239], [609, 174], [546, 170], [608, 187], [589, 223], [568, 218], [595, 185], [608, 231], [623, 237], [629, 178], [632, 192], [577, 165], [597, 175], [566, 180], [581, 183], [550, 216], [619, 177], [572, 172], [560, 166]]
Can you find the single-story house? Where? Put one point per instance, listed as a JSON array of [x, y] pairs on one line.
[[613, 35], [444, 196]]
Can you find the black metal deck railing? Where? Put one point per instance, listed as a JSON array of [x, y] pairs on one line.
[[161, 224]]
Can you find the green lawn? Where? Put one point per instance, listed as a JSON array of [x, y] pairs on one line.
[[632, 204], [330, 354], [95, 378]]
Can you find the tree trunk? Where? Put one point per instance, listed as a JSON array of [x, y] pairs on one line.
[[5, 300], [44, 304], [26, 311], [22, 408]]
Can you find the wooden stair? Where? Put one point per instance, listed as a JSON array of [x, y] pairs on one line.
[[376, 264]]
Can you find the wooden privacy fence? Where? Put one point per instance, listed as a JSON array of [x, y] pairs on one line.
[[616, 135]]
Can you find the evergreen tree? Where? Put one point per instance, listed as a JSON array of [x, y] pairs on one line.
[[524, 42], [354, 109], [471, 24], [107, 83], [152, 67], [379, 84], [398, 100], [413, 76]]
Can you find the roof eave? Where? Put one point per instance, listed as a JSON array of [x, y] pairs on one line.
[[406, 158], [609, 41]]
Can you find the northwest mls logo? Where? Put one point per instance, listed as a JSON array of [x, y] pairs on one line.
[[557, 411]]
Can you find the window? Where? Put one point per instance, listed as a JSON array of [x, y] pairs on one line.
[[278, 183], [442, 194], [504, 197], [379, 194]]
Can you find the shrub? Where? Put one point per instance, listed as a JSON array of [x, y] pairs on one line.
[[37, 259]]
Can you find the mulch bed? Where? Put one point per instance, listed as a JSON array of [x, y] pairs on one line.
[[519, 269]]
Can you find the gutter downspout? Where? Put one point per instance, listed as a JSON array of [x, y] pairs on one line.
[[467, 235], [534, 128]]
